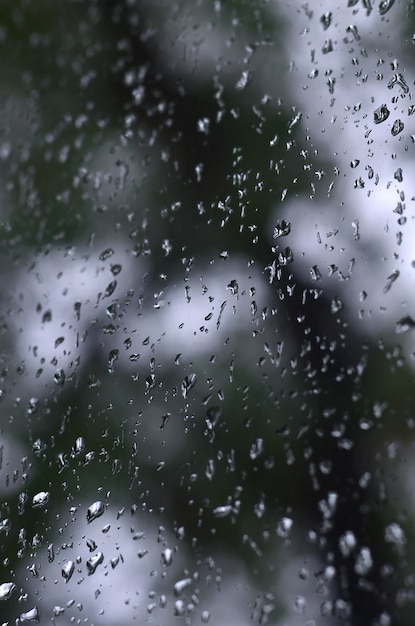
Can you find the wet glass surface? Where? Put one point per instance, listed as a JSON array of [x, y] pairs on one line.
[[207, 312]]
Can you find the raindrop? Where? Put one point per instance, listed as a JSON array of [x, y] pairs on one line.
[[315, 273], [164, 419], [384, 6], [106, 254], [32, 406], [95, 510], [112, 357], [281, 229], [59, 377], [285, 256], [222, 511], [325, 19], [68, 570], [397, 127], [6, 590], [381, 114], [30, 616], [181, 585], [395, 534], [364, 562], [93, 562], [284, 527], [398, 79], [167, 557], [405, 324], [188, 382], [233, 287], [79, 446], [205, 617], [40, 499]]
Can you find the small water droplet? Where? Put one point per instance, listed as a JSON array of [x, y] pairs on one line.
[[205, 617], [95, 510]]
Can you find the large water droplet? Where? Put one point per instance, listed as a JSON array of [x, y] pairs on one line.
[[6, 590], [40, 499], [68, 570], [181, 585], [30, 616], [167, 556], [188, 382], [405, 324], [281, 229], [381, 114], [95, 510], [397, 127], [93, 562], [222, 511], [384, 6]]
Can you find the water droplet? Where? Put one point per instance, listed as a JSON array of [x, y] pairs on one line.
[[93, 562], [106, 254], [394, 534], [285, 256], [222, 511], [112, 357], [59, 377], [188, 382], [325, 19], [32, 406], [233, 287], [205, 617], [315, 273], [405, 324], [381, 114], [384, 6], [364, 562], [167, 557], [79, 446], [6, 590], [284, 527], [181, 585], [68, 570], [281, 229], [30, 616], [398, 79], [40, 499], [397, 127], [95, 510], [256, 449]]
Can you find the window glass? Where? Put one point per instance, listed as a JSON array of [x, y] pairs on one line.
[[206, 314]]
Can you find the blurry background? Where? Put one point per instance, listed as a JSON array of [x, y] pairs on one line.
[[207, 312]]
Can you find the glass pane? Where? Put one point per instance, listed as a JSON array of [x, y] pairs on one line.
[[207, 319]]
